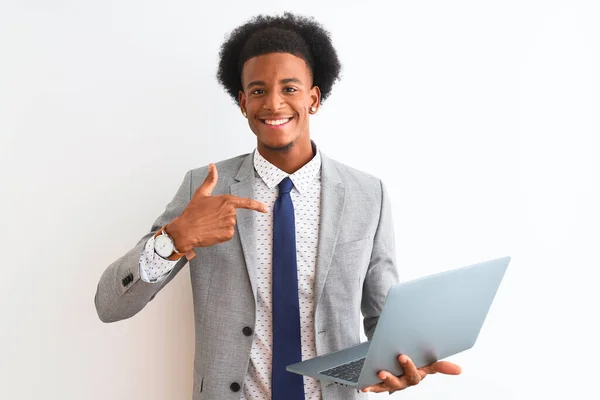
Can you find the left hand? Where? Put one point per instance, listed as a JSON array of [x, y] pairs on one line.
[[412, 375]]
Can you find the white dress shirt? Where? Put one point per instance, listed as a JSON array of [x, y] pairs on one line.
[[306, 197]]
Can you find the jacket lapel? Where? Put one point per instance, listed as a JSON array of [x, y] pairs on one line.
[[245, 218], [333, 196]]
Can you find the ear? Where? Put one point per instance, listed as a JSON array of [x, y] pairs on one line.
[[315, 97], [242, 100]]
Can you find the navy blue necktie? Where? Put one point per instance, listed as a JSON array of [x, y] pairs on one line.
[[286, 310]]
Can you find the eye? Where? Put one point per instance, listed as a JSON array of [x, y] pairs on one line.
[[290, 89], [257, 91]]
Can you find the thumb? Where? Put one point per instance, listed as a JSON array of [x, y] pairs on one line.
[[446, 367], [209, 182]]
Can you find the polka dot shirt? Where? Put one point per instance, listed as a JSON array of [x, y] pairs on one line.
[[154, 268], [306, 196]]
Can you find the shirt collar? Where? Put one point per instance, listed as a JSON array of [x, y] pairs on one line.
[[302, 179]]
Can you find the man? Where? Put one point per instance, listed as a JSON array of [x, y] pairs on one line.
[[286, 246]]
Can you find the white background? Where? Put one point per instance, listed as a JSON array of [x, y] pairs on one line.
[[481, 118]]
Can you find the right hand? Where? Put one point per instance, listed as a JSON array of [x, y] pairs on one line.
[[207, 219]]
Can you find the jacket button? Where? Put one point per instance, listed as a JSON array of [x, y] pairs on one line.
[[235, 387], [247, 331]]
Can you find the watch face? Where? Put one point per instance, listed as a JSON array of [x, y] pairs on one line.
[[163, 246]]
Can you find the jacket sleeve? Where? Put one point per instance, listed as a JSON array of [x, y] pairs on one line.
[[382, 272], [121, 293]]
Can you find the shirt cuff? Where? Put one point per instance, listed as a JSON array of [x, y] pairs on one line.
[[154, 268]]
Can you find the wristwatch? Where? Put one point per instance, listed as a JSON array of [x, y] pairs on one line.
[[164, 246]]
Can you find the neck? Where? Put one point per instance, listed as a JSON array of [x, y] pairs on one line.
[[290, 159]]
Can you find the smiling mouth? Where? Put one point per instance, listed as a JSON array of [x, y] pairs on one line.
[[275, 123]]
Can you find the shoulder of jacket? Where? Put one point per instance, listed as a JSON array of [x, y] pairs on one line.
[[352, 176], [228, 167]]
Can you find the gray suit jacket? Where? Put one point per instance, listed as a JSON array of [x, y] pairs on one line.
[[355, 269]]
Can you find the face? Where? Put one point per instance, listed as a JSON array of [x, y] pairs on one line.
[[277, 96]]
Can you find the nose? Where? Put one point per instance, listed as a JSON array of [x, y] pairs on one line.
[[273, 101]]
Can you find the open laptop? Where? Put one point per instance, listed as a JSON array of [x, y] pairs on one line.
[[427, 319]]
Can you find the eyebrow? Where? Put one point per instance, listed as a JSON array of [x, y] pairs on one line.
[[283, 82]]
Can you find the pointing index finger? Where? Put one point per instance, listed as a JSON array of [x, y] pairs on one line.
[[250, 204]]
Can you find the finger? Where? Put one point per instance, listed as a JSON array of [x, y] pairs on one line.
[[446, 367], [411, 373], [392, 382], [240, 202], [380, 387], [427, 370], [209, 182]]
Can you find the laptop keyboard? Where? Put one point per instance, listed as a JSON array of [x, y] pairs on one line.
[[349, 372]]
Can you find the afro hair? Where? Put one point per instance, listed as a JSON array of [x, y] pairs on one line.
[[298, 35]]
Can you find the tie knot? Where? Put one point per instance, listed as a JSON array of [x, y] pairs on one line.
[[285, 186]]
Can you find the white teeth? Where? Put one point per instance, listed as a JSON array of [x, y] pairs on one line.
[[276, 121]]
